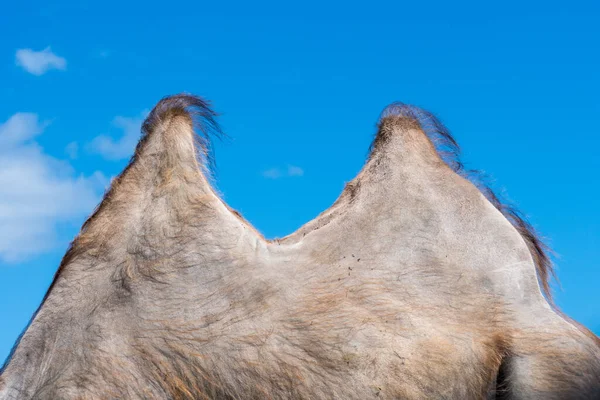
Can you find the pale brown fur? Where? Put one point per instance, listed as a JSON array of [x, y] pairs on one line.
[[412, 285]]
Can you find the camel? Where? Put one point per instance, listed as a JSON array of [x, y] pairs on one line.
[[417, 283]]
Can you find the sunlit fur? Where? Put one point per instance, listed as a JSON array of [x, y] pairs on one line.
[[417, 283]]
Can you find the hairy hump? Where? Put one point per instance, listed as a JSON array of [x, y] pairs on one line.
[[449, 151]]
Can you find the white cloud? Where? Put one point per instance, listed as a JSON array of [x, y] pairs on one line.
[[272, 173], [295, 171], [38, 193], [276, 173], [72, 150], [39, 62], [20, 128], [123, 147]]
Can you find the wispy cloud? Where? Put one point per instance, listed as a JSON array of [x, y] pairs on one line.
[[39, 62], [72, 150], [294, 171], [38, 193], [276, 173], [118, 149], [272, 173]]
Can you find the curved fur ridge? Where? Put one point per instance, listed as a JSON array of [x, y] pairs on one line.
[[449, 151]]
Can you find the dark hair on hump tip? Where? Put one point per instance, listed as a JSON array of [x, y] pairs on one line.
[[200, 113]]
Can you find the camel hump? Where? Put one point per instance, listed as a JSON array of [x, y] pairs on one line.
[[407, 131], [179, 123], [410, 136]]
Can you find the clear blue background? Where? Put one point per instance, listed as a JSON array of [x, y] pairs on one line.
[[303, 83]]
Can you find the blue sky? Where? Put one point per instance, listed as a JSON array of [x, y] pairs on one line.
[[299, 88]]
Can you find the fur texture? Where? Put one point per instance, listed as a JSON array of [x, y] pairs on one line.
[[415, 284]]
